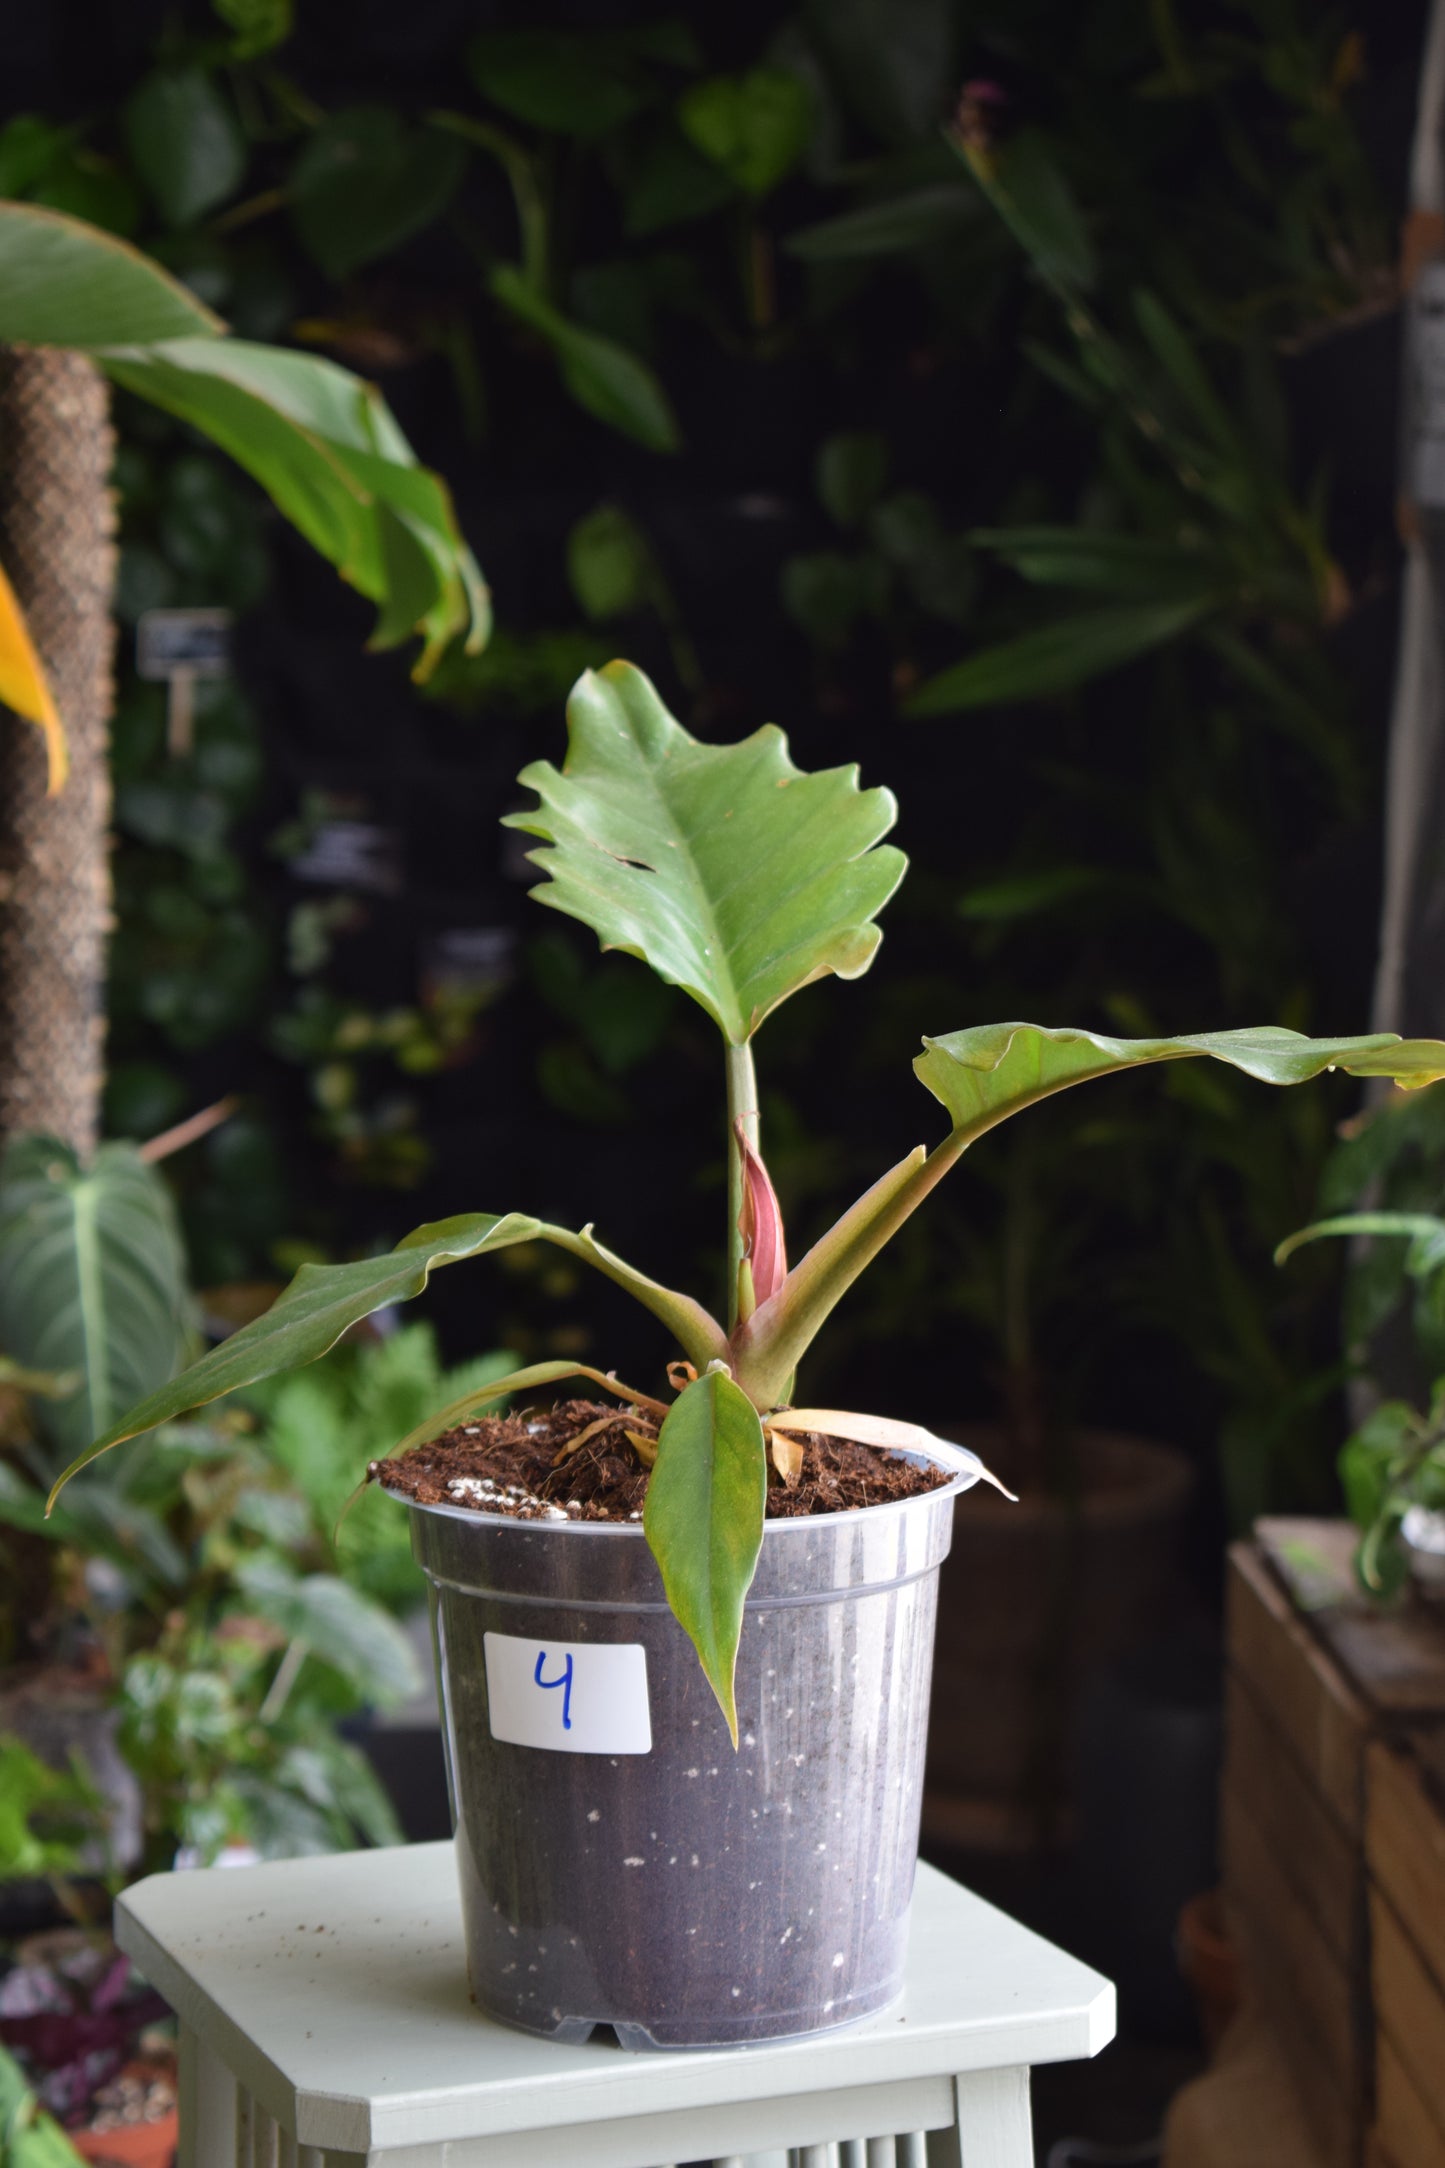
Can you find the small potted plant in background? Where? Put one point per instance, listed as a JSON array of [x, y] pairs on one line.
[[717, 1850], [1392, 1468]]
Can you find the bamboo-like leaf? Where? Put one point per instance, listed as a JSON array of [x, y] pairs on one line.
[[703, 1518], [1066, 652], [310, 1316], [66, 283], [1423, 1231], [890, 1436], [729, 871], [24, 687]]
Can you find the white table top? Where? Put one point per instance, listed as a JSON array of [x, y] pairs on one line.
[[335, 1989]]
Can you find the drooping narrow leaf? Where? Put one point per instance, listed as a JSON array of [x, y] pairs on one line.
[[733, 874], [703, 1519], [66, 283], [326, 449], [991, 1071], [23, 685], [92, 1279], [310, 1316], [1423, 1231], [697, 1333], [984, 1075]]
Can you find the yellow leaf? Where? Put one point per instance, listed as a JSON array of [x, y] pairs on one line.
[[893, 1437], [23, 686], [787, 1456]]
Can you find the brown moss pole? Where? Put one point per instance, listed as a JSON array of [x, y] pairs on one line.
[[57, 544]]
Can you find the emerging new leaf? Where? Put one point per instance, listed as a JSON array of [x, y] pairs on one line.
[[761, 1223], [724, 867]]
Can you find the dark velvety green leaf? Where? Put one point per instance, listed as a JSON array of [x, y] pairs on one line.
[[1060, 655], [755, 126], [890, 227], [64, 283], [324, 446], [603, 377], [852, 469], [92, 1279], [563, 81], [185, 142], [608, 563], [310, 1316], [893, 60], [703, 1519], [667, 183], [728, 870], [365, 182]]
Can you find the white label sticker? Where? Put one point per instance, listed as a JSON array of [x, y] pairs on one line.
[[576, 1697]]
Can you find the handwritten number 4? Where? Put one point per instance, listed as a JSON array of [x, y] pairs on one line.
[[564, 1680]]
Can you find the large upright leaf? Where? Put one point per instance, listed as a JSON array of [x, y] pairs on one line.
[[309, 1317], [984, 1075], [324, 446], [92, 1279], [65, 283], [703, 1518], [733, 874]]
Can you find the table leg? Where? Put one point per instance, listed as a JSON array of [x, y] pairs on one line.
[[993, 2129], [207, 2093]]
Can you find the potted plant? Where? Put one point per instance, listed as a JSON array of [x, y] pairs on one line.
[[716, 1851]]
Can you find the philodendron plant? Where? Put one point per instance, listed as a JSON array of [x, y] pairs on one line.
[[740, 879]]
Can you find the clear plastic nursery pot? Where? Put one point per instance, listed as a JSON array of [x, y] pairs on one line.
[[619, 1863]]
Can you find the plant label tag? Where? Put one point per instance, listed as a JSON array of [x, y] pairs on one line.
[[576, 1697]]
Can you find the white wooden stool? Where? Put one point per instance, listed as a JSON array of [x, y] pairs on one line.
[[325, 2023]]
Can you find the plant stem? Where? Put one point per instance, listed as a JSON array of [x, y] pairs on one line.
[[743, 1107]]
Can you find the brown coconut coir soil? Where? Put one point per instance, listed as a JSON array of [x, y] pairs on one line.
[[510, 1464]]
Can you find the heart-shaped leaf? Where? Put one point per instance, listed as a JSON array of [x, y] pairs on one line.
[[755, 126], [365, 182], [311, 1315], [703, 1517], [733, 874], [92, 1279], [186, 142]]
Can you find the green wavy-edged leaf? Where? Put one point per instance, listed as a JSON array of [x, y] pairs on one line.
[[310, 1316], [326, 449], [703, 1518], [92, 1280], [66, 283], [733, 874]]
